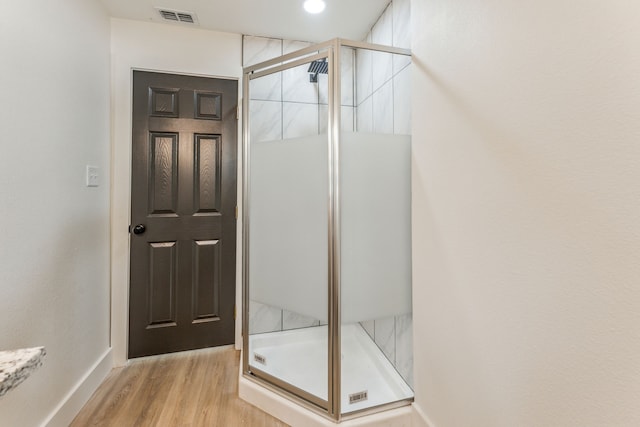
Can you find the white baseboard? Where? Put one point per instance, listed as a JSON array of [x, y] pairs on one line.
[[419, 418], [71, 404]]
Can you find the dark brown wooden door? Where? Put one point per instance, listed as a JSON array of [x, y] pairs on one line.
[[183, 202]]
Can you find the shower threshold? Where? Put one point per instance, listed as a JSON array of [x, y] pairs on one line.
[[299, 357]]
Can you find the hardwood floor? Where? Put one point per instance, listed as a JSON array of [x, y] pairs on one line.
[[195, 388]]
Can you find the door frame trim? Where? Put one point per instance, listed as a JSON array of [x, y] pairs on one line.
[[120, 212]]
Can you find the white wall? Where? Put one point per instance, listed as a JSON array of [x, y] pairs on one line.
[[165, 48], [54, 247], [526, 212]]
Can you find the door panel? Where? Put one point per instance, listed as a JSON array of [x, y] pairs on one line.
[[207, 179], [162, 284], [163, 173], [206, 282], [182, 283]]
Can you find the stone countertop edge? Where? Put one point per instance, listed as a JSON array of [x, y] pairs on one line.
[[17, 365]]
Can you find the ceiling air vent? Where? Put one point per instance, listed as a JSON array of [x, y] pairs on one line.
[[177, 16], [185, 17]]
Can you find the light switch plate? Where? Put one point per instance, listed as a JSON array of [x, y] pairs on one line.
[[92, 176]]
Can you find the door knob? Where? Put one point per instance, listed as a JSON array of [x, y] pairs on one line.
[[139, 229]]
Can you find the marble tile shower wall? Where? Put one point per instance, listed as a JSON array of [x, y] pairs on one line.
[[286, 104], [383, 106], [394, 336], [382, 79]]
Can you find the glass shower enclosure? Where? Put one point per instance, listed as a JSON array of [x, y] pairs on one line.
[[326, 227]]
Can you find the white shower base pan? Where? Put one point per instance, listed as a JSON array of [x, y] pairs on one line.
[[299, 357]]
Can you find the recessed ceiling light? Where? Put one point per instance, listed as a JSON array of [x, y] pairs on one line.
[[314, 6]]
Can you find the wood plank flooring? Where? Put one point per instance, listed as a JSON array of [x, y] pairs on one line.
[[195, 388]]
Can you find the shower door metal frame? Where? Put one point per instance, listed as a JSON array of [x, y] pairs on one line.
[[294, 59], [331, 51]]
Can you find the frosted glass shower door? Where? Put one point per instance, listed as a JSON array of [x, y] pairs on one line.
[[288, 266], [288, 223]]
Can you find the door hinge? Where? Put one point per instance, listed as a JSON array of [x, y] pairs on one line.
[[235, 311], [238, 112], [236, 211]]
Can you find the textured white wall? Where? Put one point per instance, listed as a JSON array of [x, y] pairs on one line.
[[54, 245], [526, 193], [164, 48]]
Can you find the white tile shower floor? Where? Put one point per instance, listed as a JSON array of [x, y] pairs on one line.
[[299, 357]]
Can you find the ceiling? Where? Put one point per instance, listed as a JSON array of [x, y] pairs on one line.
[[349, 19]]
